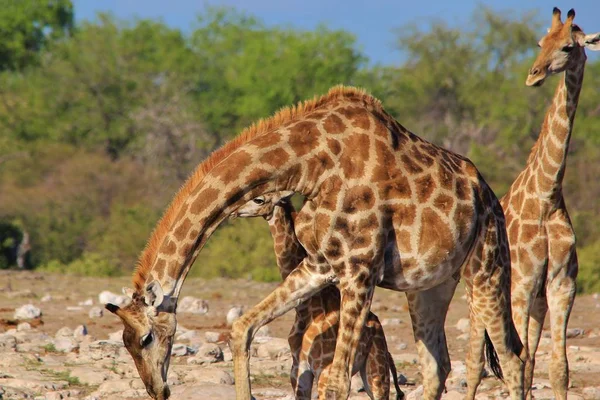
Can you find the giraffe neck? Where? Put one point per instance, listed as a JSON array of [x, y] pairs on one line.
[[229, 184], [288, 250], [549, 155]]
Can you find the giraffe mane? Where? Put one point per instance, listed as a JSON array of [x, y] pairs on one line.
[[285, 115]]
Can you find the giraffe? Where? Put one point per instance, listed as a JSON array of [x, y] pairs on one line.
[[540, 233], [383, 207], [314, 333]]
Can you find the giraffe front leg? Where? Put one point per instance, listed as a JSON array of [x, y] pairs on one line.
[[428, 311], [561, 295], [356, 295], [302, 283], [536, 324]]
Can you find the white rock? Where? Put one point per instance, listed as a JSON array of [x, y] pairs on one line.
[[46, 298], [53, 396], [74, 308], [23, 326], [391, 321], [80, 332], [416, 394], [180, 350], [65, 344], [212, 337], [591, 392], [88, 302], [65, 331], [7, 342], [264, 331], [208, 353], [402, 346], [209, 375], [110, 297], [28, 311], [96, 312], [187, 335], [274, 349], [116, 336], [574, 332], [463, 325], [192, 305], [233, 314]]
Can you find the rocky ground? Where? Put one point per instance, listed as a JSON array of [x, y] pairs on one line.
[[73, 350]]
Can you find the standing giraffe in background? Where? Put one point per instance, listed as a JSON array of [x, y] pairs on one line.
[[541, 236], [383, 207], [313, 337]]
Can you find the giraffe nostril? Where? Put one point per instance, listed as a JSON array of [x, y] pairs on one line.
[[534, 71]]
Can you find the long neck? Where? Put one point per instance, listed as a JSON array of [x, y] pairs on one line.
[[549, 156], [248, 172], [288, 250]]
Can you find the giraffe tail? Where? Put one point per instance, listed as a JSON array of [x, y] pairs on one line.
[[492, 358], [399, 392]]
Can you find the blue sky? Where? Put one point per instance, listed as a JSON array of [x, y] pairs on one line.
[[372, 21]]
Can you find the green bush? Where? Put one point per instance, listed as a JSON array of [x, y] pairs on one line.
[[588, 280], [90, 264]]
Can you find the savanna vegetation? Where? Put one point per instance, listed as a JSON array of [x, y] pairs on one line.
[[100, 122]]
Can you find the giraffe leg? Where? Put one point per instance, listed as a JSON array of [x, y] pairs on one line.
[[295, 341], [299, 285], [475, 359], [375, 372], [356, 294], [488, 274], [428, 311], [561, 294], [536, 324]]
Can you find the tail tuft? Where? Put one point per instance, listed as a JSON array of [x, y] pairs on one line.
[[492, 358]]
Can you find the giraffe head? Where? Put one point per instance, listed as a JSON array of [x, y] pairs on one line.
[[148, 336], [262, 206], [561, 49]]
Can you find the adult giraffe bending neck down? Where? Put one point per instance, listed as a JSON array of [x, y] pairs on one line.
[[384, 208], [541, 236]]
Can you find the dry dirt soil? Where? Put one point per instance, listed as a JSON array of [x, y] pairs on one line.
[[19, 288]]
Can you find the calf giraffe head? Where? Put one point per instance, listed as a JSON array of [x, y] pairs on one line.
[[148, 336], [262, 206], [562, 48]]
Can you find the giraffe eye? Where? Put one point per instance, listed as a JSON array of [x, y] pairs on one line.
[[146, 340], [259, 200], [568, 48]]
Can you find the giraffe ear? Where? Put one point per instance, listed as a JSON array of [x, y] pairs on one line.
[[154, 294], [591, 41]]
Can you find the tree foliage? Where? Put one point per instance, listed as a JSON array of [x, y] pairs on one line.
[[100, 123]]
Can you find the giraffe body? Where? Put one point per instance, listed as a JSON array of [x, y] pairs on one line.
[[383, 207], [314, 333], [541, 236]]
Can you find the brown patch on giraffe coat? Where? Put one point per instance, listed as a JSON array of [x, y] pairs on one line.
[[330, 190], [230, 168], [204, 199], [403, 241], [539, 249], [276, 157], [462, 188], [445, 177], [426, 185], [182, 229], [352, 160], [304, 137], [421, 157], [529, 210], [334, 124], [444, 203], [358, 116], [334, 146], [404, 214], [318, 165], [528, 232], [411, 166], [399, 188], [358, 198], [169, 247], [258, 175], [334, 249]]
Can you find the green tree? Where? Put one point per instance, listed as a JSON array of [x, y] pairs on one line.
[[27, 26]]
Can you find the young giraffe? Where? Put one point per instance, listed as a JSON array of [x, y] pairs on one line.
[[313, 336], [541, 236], [384, 207]]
